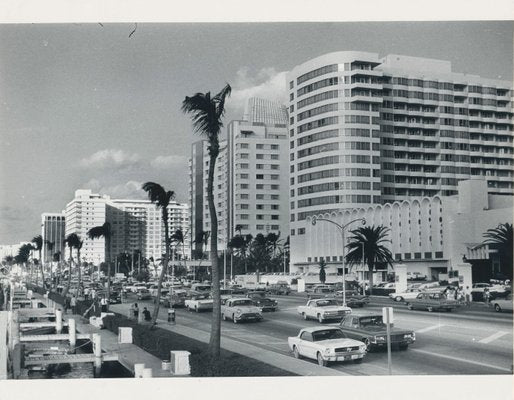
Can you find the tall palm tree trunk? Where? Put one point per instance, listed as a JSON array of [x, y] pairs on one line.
[[108, 246], [67, 288], [215, 339], [164, 267], [42, 269]]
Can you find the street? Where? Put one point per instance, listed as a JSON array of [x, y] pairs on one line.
[[447, 343]]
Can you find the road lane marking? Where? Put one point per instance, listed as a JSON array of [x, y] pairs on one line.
[[493, 337], [429, 328], [461, 360]]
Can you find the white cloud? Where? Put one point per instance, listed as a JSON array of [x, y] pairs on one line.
[[110, 158], [266, 84], [131, 189], [165, 162]]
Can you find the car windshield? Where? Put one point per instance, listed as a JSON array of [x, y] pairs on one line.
[[375, 320], [325, 303], [242, 303], [328, 334]]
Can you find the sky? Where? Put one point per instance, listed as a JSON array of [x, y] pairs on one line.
[[98, 106]]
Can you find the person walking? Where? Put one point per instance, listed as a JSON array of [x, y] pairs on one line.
[[103, 304], [135, 309], [468, 297], [67, 304], [73, 304], [147, 315], [86, 294], [487, 296]]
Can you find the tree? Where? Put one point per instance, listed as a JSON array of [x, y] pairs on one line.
[[38, 245], [104, 231], [178, 239], [78, 247], [322, 273], [375, 251], [72, 240], [50, 247], [161, 198], [22, 258], [501, 238], [273, 241], [206, 114]]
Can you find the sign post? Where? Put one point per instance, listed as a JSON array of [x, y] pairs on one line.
[[387, 316]]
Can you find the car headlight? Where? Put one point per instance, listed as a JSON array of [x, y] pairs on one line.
[[239, 311], [327, 351], [380, 338]]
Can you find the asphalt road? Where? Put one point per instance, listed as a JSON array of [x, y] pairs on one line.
[[447, 343]]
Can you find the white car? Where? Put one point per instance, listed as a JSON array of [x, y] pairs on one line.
[[430, 285], [240, 309], [503, 304], [323, 310], [136, 287], [326, 344], [409, 294], [199, 302]]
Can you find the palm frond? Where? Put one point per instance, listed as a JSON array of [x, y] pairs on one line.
[[220, 100], [38, 241]]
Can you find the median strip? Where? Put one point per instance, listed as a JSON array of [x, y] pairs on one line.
[[493, 337]]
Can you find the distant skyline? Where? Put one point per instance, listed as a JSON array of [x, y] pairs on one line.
[[87, 106]]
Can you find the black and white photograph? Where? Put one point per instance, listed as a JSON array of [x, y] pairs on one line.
[[308, 201]]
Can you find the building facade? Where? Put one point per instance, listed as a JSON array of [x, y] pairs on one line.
[[136, 226], [429, 234], [251, 182], [53, 228], [366, 130]]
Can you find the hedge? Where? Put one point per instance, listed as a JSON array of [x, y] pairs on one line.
[[159, 342]]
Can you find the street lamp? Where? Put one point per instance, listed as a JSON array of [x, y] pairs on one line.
[[342, 229]]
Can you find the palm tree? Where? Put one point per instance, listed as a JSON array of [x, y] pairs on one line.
[[501, 238], [273, 240], [78, 246], [178, 239], [322, 273], [162, 198], [375, 252], [104, 231], [72, 240], [38, 245], [206, 114], [50, 246], [22, 258]]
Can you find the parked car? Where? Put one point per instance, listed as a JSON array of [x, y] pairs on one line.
[[504, 304], [201, 287], [326, 344], [429, 285], [323, 310], [409, 294], [199, 302], [238, 289], [260, 300], [416, 276], [279, 289], [432, 301], [369, 328], [134, 288], [240, 309], [143, 294]]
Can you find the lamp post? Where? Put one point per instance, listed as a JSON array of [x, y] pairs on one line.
[[342, 229]]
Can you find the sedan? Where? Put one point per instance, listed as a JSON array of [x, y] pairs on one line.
[[503, 304]]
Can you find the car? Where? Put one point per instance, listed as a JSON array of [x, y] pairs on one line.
[[238, 289], [134, 288], [323, 310], [225, 294], [319, 291], [503, 304], [369, 328], [431, 301], [143, 294], [279, 289], [199, 302], [416, 276], [326, 344], [240, 309], [353, 298], [260, 300], [177, 298], [429, 285], [409, 294], [201, 287]]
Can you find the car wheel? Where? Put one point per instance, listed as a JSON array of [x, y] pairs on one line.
[[367, 343], [398, 298], [320, 319], [234, 320], [409, 306], [358, 360], [497, 308], [296, 353], [304, 316], [404, 346], [430, 309], [321, 361]]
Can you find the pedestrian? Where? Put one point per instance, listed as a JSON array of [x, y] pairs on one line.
[[468, 297], [135, 309], [487, 296], [147, 315], [67, 304], [73, 304], [86, 294], [456, 294], [103, 304]]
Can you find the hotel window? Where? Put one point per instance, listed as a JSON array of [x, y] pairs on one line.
[[259, 176]]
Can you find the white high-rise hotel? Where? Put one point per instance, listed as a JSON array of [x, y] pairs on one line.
[[365, 130], [135, 225]]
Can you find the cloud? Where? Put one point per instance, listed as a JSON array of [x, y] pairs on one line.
[[110, 158], [166, 162], [267, 84], [129, 190]]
